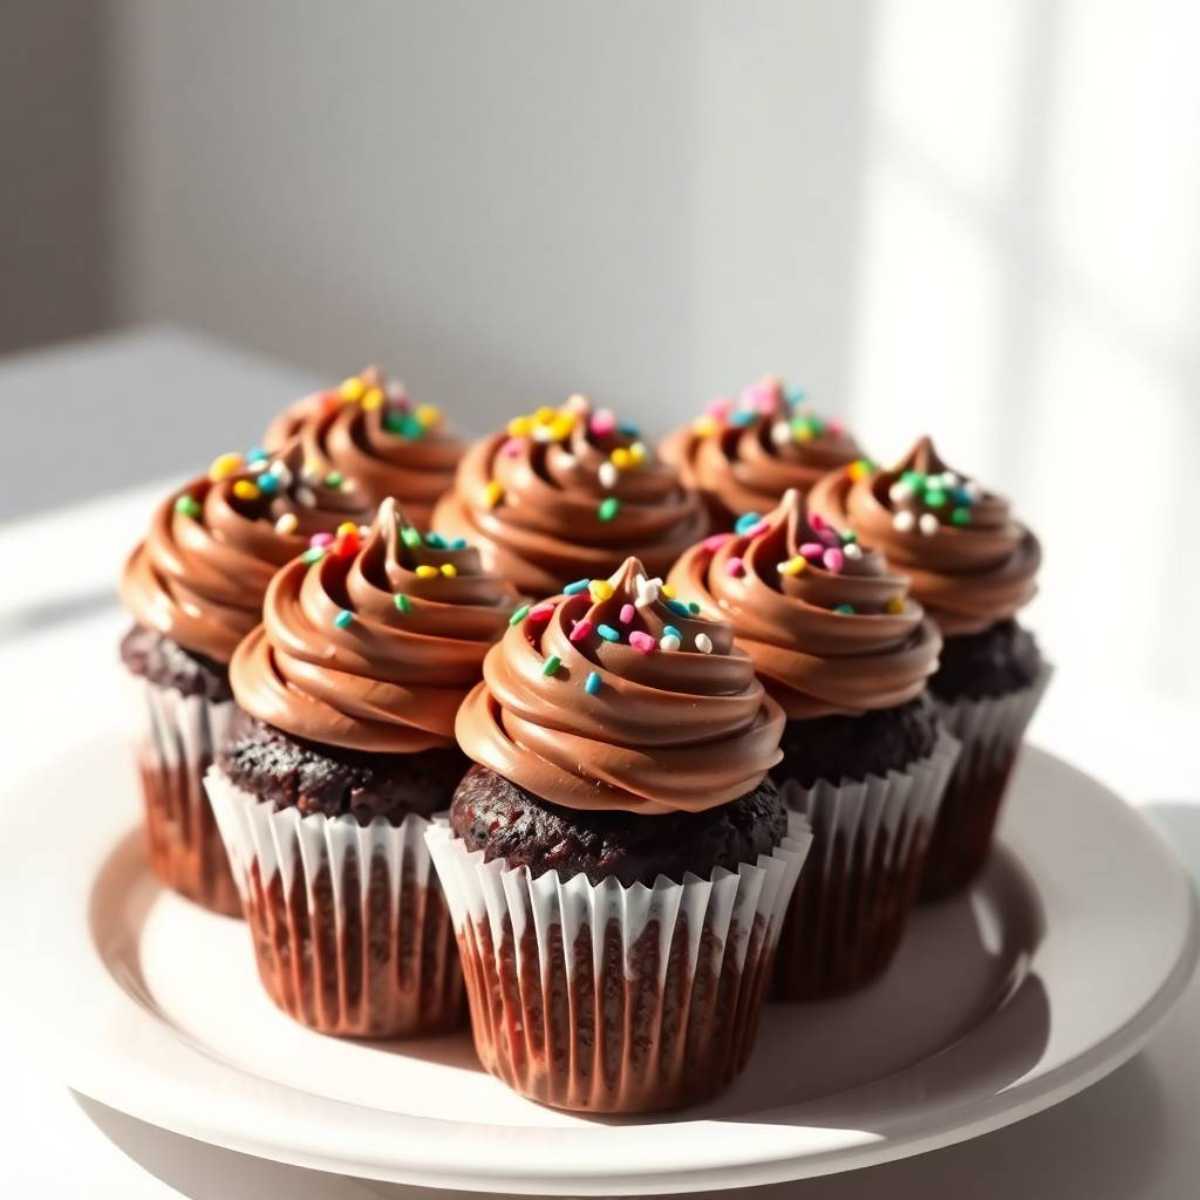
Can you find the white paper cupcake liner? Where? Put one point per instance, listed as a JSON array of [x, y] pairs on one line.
[[991, 731], [605, 998], [351, 932], [177, 741], [859, 884]]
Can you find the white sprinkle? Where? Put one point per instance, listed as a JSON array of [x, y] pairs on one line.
[[647, 590], [287, 523], [903, 522], [899, 491], [608, 475], [668, 642], [577, 403], [281, 471], [852, 550], [703, 643], [949, 479], [928, 524], [781, 433], [973, 490], [396, 391], [566, 461], [306, 496], [543, 433]]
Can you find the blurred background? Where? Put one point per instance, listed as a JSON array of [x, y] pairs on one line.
[[976, 218]]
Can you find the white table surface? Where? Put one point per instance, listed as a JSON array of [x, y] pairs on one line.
[[1133, 1136]]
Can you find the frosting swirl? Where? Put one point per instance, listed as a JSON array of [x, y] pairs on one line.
[[744, 456], [968, 561], [200, 574], [614, 696], [372, 645], [568, 492], [368, 429], [828, 625]]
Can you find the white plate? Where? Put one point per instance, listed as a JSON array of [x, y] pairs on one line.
[[1052, 972]]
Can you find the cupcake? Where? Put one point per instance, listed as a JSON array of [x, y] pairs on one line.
[[973, 568], [568, 493], [194, 587], [846, 654], [742, 457], [342, 748], [368, 430], [617, 863]]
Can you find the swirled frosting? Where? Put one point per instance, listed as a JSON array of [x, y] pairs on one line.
[[969, 562], [372, 646], [368, 430], [616, 696], [828, 624], [200, 574], [567, 493], [743, 456]]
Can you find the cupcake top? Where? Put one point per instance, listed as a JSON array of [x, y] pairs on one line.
[[369, 430], [371, 643], [615, 695], [744, 455], [566, 492], [828, 624], [200, 574], [969, 562]]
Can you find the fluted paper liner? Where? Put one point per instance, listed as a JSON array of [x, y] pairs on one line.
[[992, 731], [859, 885], [613, 999], [176, 743], [351, 932]]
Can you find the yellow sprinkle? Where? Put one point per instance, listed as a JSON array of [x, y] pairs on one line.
[[705, 426], [373, 399], [858, 470], [561, 426], [492, 494], [223, 466], [895, 605], [600, 589], [352, 388], [621, 458], [424, 571], [802, 433], [245, 490], [520, 427], [668, 591], [793, 566], [312, 467], [347, 527], [428, 415], [449, 570], [637, 452], [545, 415]]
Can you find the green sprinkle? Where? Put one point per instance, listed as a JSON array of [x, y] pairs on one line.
[[334, 479], [435, 540], [343, 619], [592, 686], [405, 424], [960, 516], [693, 608], [848, 537], [402, 602], [313, 556], [519, 615], [914, 479], [845, 609], [935, 497], [551, 665], [410, 537], [609, 507], [188, 506]]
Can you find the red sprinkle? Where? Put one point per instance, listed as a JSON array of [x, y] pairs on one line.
[[735, 567], [627, 613], [642, 641], [716, 541], [817, 521], [543, 612], [346, 545], [581, 629]]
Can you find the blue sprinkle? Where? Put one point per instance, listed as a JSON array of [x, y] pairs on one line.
[[573, 589], [268, 484], [844, 609], [962, 496], [435, 540], [343, 619], [630, 430], [671, 631], [608, 633], [592, 685], [794, 396], [742, 417], [457, 544], [746, 522], [678, 606], [255, 454]]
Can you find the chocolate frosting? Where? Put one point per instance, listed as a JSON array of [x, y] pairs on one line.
[[200, 574], [369, 431], [568, 493], [827, 623], [744, 456], [372, 647], [618, 697], [969, 562]]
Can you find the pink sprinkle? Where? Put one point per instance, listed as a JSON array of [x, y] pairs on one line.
[[720, 407], [829, 537], [760, 396], [735, 567], [834, 561], [581, 629], [715, 541], [511, 448], [604, 422], [757, 530], [817, 521], [642, 641], [834, 428], [321, 539], [543, 612], [627, 613], [812, 551]]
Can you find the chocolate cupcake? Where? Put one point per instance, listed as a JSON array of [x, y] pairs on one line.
[[743, 456], [568, 493], [846, 654], [368, 430], [343, 750], [973, 567], [617, 863], [194, 588]]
